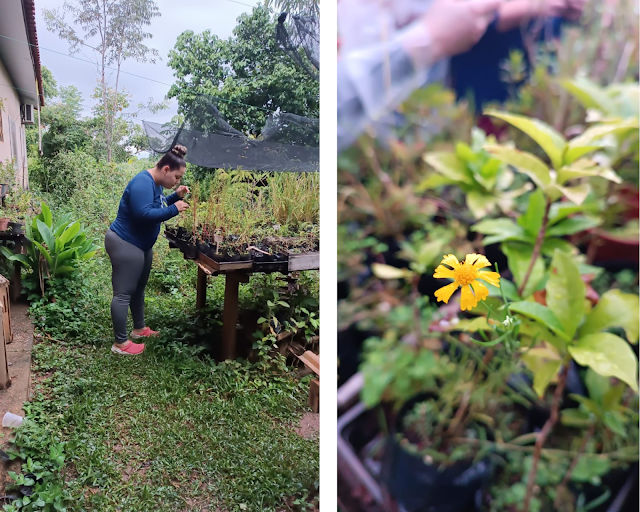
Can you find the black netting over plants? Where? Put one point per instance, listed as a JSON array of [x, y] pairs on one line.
[[287, 142], [295, 32]]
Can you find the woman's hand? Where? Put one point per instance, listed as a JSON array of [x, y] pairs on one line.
[[182, 191], [181, 205]]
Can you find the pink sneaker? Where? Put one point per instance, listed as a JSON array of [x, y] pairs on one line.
[[130, 349], [144, 334]]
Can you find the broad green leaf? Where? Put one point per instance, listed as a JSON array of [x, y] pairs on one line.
[[519, 258], [434, 180], [46, 215], [612, 398], [615, 422], [64, 270], [450, 166], [22, 258], [465, 153], [61, 223], [70, 233], [552, 142], [571, 173], [501, 229], [65, 255], [531, 220], [590, 467], [474, 325], [566, 292], [47, 235], [575, 418], [79, 240], [572, 226], [615, 309], [541, 314], [480, 204], [538, 332], [506, 286], [43, 251], [590, 140], [526, 163], [550, 246], [590, 95], [608, 355], [382, 271], [597, 385], [576, 194], [543, 369]]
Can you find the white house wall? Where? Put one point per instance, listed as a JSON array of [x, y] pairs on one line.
[[13, 145]]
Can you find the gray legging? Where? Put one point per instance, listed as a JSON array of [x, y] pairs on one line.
[[130, 273]]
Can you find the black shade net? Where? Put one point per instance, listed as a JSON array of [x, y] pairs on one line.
[[287, 142], [300, 33]]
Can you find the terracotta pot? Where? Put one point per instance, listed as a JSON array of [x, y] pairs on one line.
[[4, 224], [605, 247]]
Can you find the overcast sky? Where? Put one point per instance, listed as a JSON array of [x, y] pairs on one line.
[[219, 16]]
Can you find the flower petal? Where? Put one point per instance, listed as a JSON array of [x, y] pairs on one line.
[[490, 277], [478, 261], [444, 272], [481, 291], [445, 293], [468, 300], [451, 260]]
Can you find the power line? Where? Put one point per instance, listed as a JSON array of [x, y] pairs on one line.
[[128, 73], [236, 2]]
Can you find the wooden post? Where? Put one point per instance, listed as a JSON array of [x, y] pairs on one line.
[[201, 289], [230, 314], [16, 280], [5, 378], [314, 395]]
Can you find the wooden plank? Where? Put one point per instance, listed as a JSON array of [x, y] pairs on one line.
[[230, 313], [314, 395], [224, 266], [306, 261], [311, 361], [5, 303], [5, 378]]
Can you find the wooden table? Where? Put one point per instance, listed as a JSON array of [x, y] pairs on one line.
[[236, 272]]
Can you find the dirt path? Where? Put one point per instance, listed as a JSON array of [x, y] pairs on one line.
[[12, 398]]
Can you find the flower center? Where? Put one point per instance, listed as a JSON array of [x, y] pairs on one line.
[[465, 274]]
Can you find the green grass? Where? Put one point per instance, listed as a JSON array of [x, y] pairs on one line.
[[169, 430]]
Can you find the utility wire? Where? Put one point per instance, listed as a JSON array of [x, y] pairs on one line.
[[128, 73]]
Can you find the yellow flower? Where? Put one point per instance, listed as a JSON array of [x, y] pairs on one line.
[[466, 275]]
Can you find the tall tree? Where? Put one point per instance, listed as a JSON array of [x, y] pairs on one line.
[[248, 70], [114, 29], [295, 6]]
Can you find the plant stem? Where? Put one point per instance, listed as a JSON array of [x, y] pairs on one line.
[[574, 462], [544, 433], [536, 248]]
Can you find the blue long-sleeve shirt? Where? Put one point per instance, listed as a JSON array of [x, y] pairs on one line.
[[142, 209]]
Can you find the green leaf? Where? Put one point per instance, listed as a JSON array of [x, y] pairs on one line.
[[47, 235], [531, 220], [261, 320], [44, 252], [46, 215], [551, 245], [523, 162], [571, 173], [64, 270], [70, 233], [450, 166], [575, 418], [518, 258], [543, 371], [566, 292], [590, 140], [433, 181], [608, 355], [572, 225], [597, 385], [615, 422], [576, 194], [612, 398], [590, 95], [590, 467], [65, 255], [481, 204], [502, 229], [552, 142], [541, 314], [510, 290], [615, 309]]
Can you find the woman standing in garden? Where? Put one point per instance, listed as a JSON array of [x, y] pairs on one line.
[[130, 239]]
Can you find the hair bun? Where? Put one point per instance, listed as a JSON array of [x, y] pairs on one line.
[[179, 151]]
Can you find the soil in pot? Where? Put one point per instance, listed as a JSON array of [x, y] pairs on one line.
[[419, 485]]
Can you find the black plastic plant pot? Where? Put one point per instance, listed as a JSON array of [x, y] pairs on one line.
[[418, 486], [17, 227]]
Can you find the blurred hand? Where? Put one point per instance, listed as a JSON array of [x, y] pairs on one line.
[[575, 9], [448, 28], [181, 205], [182, 191]]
